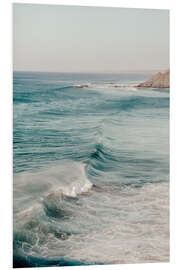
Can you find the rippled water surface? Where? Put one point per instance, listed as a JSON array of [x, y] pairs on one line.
[[91, 170]]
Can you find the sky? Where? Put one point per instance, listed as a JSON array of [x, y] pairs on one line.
[[57, 38]]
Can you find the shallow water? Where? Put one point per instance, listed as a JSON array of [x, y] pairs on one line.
[[91, 170]]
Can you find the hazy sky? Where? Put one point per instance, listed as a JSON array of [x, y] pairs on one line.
[[89, 39]]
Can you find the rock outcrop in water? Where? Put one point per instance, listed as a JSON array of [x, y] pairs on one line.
[[81, 86], [159, 80]]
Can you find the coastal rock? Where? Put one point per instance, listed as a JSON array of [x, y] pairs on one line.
[[81, 86], [159, 80]]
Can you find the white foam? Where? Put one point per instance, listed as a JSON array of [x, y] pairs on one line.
[[137, 230], [69, 176], [30, 189], [113, 87], [73, 179], [114, 225]]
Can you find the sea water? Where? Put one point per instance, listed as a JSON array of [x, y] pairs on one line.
[[91, 170]]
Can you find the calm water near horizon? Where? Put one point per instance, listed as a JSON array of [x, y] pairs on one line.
[[91, 170]]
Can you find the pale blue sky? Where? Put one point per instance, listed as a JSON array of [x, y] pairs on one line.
[[89, 39]]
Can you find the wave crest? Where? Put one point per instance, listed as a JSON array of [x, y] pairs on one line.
[[47, 186]]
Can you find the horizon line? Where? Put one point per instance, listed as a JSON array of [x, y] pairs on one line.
[[99, 72]]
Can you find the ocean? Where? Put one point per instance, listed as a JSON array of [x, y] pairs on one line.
[[90, 170]]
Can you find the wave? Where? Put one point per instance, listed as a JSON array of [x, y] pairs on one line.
[[42, 199], [103, 160], [36, 96], [48, 186], [133, 103], [21, 262], [109, 219], [108, 85], [109, 165], [61, 88], [68, 177]]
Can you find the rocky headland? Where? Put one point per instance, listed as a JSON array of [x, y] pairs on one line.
[[159, 80]]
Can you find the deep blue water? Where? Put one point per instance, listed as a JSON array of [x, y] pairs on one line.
[[91, 169]]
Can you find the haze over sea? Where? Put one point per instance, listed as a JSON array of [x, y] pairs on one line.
[[91, 170]]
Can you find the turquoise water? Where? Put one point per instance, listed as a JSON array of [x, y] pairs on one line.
[[91, 170]]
